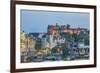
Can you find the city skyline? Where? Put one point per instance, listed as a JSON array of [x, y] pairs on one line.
[[38, 21]]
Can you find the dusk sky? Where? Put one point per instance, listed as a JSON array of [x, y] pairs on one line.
[[37, 21]]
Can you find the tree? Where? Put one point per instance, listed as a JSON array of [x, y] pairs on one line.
[[84, 35], [54, 49], [65, 51], [67, 36], [75, 37]]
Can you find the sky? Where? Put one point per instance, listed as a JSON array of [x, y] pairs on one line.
[[38, 21]]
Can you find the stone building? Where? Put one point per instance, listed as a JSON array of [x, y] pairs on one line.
[[27, 46]]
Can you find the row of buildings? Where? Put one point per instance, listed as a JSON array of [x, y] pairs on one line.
[[42, 44]]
